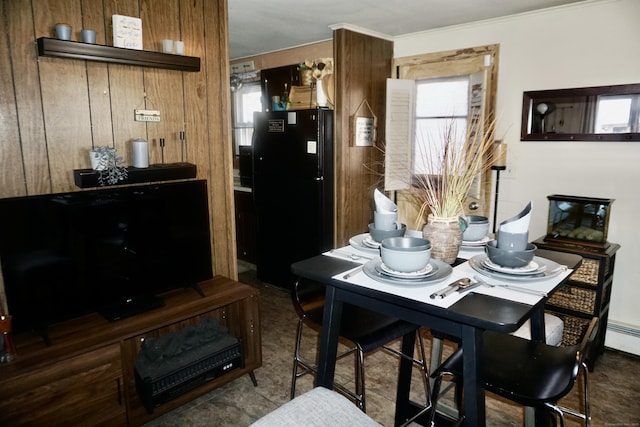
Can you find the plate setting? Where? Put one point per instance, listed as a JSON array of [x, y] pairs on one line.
[[476, 243], [364, 242], [544, 269], [433, 273]]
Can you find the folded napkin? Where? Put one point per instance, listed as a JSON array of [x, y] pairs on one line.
[[513, 233], [519, 223], [383, 203]]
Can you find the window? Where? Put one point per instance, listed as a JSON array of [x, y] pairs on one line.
[[246, 101], [442, 105]]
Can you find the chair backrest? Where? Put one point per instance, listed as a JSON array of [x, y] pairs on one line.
[[587, 341], [308, 297]]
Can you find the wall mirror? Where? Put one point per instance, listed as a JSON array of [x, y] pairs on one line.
[[603, 113]]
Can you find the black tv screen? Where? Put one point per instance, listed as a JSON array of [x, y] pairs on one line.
[[69, 254]]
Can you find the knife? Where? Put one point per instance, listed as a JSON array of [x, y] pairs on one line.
[[460, 284]]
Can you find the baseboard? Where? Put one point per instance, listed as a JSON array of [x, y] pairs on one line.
[[623, 337]]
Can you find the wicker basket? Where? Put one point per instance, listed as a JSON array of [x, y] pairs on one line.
[[574, 298], [574, 328], [587, 272]]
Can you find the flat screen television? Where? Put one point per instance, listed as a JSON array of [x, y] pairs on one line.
[[110, 250]]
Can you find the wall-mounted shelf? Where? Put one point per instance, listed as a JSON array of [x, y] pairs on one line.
[[117, 55], [86, 178]]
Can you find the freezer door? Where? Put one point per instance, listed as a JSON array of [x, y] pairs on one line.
[[290, 142]]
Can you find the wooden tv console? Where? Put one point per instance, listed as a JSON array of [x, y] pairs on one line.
[[87, 375]]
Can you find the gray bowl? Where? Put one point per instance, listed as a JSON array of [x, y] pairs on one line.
[[380, 235], [405, 254], [509, 258], [477, 228]]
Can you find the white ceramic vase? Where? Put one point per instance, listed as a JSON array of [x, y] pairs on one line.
[[321, 96]]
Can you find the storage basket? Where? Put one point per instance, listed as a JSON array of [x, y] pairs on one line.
[[587, 272], [574, 298], [574, 328]]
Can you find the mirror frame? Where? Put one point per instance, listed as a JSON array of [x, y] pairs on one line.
[[531, 98]]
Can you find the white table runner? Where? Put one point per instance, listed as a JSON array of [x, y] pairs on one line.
[[421, 292]]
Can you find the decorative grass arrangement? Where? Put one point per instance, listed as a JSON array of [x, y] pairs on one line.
[[451, 168]]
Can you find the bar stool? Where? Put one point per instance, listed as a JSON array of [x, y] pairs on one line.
[[361, 330], [526, 372]]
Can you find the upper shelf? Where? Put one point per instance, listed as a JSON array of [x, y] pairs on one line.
[[94, 52]]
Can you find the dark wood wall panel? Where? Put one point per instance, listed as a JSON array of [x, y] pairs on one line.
[[10, 153], [363, 64], [33, 165], [54, 110]]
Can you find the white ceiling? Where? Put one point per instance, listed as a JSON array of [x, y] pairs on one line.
[[260, 26]]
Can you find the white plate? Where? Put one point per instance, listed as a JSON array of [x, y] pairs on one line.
[[531, 268], [429, 269], [369, 242], [358, 243], [551, 269], [443, 270], [476, 243]]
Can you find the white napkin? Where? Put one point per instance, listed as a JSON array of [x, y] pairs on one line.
[[519, 223], [383, 203]]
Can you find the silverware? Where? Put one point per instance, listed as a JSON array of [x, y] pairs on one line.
[[353, 272], [512, 287], [451, 288], [350, 255]]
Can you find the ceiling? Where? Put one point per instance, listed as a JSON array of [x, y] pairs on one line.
[[261, 26]]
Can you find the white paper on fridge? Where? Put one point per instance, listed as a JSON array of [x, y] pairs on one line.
[[127, 32]]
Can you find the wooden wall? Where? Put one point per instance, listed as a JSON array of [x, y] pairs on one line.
[[363, 63], [53, 110]]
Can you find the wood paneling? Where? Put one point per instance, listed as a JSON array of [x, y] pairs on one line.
[[363, 63], [54, 110]]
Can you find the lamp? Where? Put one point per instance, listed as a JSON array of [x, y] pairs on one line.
[[500, 154], [544, 109]]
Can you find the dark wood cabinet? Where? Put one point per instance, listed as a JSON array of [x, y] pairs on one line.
[[86, 376], [245, 226], [587, 293], [273, 81]]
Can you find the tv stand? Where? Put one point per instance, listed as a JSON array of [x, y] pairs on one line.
[[196, 287], [131, 307], [87, 375]]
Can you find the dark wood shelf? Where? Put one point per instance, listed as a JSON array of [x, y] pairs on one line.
[[86, 178], [117, 55]]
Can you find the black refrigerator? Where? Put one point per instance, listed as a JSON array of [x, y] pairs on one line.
[[292, 190]]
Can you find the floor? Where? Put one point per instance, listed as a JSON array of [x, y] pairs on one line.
[[614, 385]]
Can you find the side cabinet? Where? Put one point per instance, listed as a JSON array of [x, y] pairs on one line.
[[82, 390], [586, 294], [87, 375]]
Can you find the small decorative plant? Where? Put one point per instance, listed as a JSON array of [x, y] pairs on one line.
[[110, 167]]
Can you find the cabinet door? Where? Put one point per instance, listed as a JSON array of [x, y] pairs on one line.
[[83, 390]]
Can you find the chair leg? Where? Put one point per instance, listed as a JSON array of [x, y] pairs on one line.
[[360, 388], [296, 359]]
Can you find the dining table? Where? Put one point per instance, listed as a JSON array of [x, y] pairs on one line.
[[351, 275]]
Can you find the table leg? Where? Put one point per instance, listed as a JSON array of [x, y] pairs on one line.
[[329, 339], [473, 388]]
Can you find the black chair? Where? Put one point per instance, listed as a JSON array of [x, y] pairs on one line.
[[361, 330], [527, 372]]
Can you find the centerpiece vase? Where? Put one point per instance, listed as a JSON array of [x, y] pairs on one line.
[[321, 96], [445, 236]]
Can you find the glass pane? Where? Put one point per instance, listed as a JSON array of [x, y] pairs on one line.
[[613, 114], [431, 140], [442, 97]]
